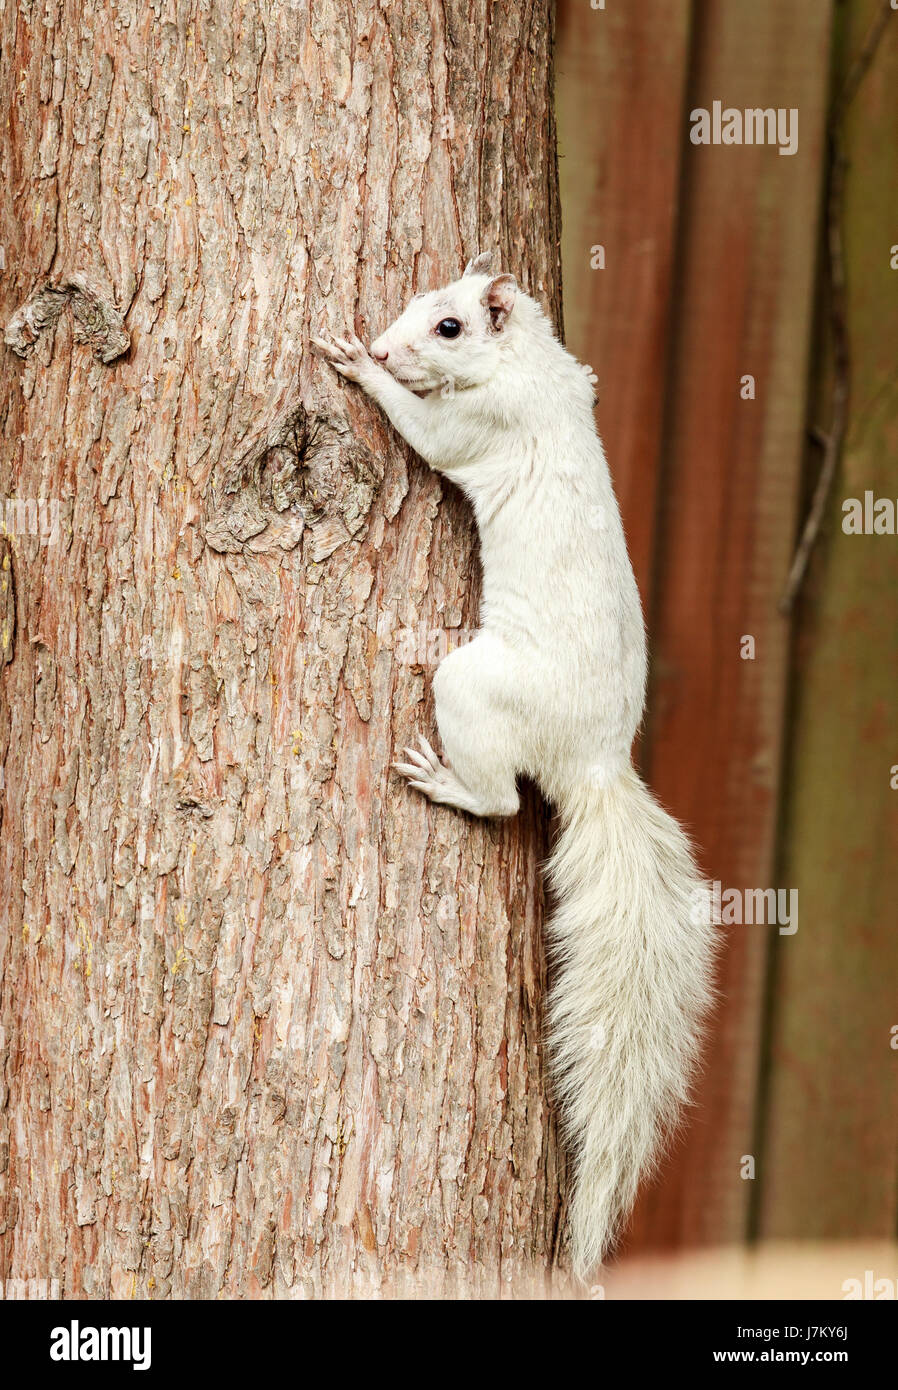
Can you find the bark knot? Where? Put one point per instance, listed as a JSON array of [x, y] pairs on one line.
[[304, 470], [97, 321]]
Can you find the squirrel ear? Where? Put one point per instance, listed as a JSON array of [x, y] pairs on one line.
[[480, 265], [498, 299]]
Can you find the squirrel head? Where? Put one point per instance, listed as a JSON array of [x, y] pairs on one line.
[[453, 337]]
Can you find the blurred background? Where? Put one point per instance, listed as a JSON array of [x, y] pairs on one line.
[[703, 284]]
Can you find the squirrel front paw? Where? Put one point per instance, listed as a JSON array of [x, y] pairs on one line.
[[350, 357]]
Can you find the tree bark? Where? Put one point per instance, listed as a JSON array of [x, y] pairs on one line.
[[271, 1025]]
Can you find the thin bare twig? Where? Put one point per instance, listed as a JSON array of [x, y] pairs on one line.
[[834, 438]]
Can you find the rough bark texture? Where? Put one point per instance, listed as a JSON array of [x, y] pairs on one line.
[[270, 1024]]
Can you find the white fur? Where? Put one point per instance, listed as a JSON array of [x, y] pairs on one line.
[[553, 687]]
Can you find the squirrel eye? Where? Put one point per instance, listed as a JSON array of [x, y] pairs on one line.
[[448, 328]]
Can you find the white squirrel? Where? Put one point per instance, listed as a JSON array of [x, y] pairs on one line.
[[553, 686]]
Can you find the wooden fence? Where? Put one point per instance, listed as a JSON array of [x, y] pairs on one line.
[[698, 286]]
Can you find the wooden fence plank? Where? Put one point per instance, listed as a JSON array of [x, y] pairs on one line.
[[830, 1125], [727, 524], [715, 549], [621, 76]]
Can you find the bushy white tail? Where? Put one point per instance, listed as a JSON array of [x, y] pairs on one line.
[[633, 944]]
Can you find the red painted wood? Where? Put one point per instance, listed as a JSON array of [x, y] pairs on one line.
[[708, 482], [620, 78]]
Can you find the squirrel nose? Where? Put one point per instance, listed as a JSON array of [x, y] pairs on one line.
[[379, 352]]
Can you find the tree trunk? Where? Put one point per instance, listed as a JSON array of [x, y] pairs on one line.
[[271, 1024]]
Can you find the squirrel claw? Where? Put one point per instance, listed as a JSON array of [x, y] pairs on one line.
[[426, 761], [407, 769], [348, 356], [425, 772]]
